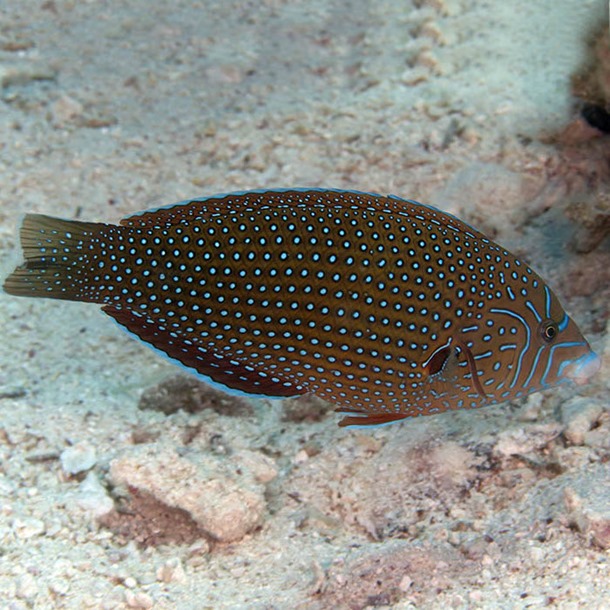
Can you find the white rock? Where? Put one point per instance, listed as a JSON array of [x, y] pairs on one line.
[[224, 495], [78, 458], [138, 600], [26, 586], [587, 502], [28, 527], [520, 441], [262, 467], [93, 498], [580, 416], [171, 571]]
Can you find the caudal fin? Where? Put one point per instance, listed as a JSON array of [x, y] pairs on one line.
[[58, 261]]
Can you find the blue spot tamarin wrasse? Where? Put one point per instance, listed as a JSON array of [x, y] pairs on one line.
[[383, 306]]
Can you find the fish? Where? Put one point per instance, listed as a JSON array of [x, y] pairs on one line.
[[384, 306]]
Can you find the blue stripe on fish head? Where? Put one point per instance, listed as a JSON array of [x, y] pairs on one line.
[[538, 339]]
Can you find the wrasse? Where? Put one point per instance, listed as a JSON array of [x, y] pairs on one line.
[[384, 306]]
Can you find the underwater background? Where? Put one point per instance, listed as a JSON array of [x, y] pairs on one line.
[[125, 483]]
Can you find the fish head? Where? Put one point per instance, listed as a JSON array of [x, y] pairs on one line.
[[567, 355], [561, 351], [536, 346]]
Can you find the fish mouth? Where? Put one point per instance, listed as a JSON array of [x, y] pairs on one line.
[[582, 369]]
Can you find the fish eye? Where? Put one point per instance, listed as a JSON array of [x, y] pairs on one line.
[[548, 330]]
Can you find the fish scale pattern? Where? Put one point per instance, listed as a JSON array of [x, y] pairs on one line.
[[386, 307]]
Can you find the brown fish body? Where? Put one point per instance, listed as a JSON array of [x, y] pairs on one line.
[[385, 307]]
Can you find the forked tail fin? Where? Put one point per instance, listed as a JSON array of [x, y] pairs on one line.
[[58, 259]]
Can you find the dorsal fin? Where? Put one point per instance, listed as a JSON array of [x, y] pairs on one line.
[[207, 206], [225, 371], [241, 201]]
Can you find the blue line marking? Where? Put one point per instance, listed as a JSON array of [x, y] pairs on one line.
[[548, 301], [506, 346], [564, 322], [528, 334], [533, 309], [534, 366], [565, 362]]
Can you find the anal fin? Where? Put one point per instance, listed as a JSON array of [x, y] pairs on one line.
[[226, 371], [360, 418]]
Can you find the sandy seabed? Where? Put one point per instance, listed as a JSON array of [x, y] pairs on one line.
[[122, 486]]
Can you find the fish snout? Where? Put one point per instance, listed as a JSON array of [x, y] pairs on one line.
[[582, 369]]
